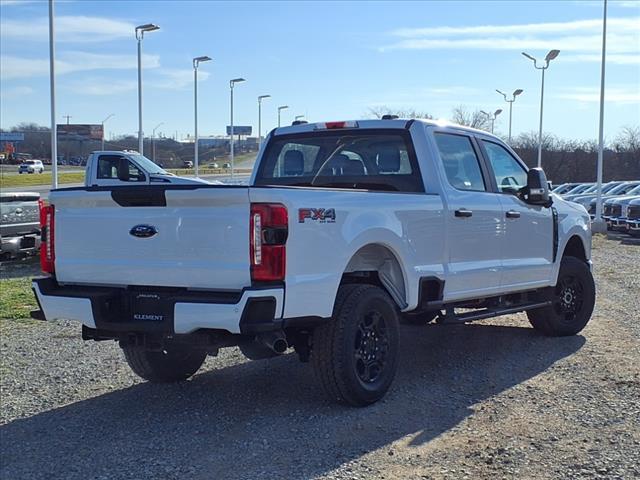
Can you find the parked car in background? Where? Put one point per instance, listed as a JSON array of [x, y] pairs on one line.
[[592, 190], [31, 166], [187, 164], [586, 197], [214, 165], [618, 218], [633, 217], [610, 209], [19, 224], [626, 188], [226, 165]]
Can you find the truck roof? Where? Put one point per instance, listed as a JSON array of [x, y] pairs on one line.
[[399, 123]]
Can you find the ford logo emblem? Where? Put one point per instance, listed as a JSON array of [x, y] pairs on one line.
[[143, 231]]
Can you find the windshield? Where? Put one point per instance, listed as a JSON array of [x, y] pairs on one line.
[[622, 189], [147, 165], [562, 189], [578, 189], [608, 187]]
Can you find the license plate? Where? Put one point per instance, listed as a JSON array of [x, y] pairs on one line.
[[147, 307]]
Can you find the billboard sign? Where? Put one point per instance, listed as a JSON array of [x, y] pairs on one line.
[[79, 132], [239, 130], [11, 137]]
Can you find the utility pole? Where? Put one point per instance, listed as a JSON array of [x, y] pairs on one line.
[[52, 88], [67, 117], [598, 225]]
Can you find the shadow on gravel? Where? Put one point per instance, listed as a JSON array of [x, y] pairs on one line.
[[269, 419], [20, 267], [623, 238]]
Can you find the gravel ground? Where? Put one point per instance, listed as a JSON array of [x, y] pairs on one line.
[[487, 400]]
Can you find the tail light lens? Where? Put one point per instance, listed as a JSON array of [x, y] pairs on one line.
[[268, 236], [47, 229]]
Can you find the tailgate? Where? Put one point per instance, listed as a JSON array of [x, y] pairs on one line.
[[196, 238]]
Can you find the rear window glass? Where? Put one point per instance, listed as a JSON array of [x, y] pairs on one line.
[[368, 160]]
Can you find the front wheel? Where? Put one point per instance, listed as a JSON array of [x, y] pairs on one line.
[[173, 364], [573, 300], [355, 354]]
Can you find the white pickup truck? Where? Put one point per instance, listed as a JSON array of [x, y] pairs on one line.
[[344, 229]]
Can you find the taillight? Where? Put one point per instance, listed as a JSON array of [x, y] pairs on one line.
[[335, 125], [47, 229], [268, 236]]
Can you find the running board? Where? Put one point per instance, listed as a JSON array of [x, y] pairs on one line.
[[451, 317]]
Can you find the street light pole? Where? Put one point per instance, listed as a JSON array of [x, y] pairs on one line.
[[52, 87], [283, 107], [140, 30], [231, 84], [492, 117], [510, 102], [196, 63], [598, 224], [103, 121], [153, 142], [260, 98], [550, 56]]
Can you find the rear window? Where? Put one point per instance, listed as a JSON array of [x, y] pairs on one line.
[[368, 160]]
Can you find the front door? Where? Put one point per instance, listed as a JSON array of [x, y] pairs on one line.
[[527, 252]]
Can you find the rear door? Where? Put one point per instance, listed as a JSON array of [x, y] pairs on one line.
[[527, 252], [474, 220], [172, 236]]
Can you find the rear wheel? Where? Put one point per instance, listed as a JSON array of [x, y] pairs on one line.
[[173, 364], [355, 354], [573, 300]]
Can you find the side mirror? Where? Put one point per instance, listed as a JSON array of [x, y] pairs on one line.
[[537, 190], [123, 169]]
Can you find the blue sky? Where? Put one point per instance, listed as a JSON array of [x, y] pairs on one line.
[[326, 60]]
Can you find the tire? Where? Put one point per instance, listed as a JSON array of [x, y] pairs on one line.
[[174, 364], [421, 318], [355, 354], [573, 301]]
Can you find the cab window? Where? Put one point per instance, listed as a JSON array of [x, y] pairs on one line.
[[510, 175], [365, 159], [460, 162], [108, 169]]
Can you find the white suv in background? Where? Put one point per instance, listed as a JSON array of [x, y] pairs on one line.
[[31, 166]]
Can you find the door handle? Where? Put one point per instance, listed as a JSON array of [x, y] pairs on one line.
[[463, 212], [513, 214]]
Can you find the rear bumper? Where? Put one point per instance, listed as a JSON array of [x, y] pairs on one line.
[[108, 309], [23, 244]]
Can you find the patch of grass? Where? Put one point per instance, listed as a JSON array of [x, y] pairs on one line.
[[26, 180], [16, 298]]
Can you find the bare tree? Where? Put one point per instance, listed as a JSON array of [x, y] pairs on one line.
[[628, 140], [462, 115], [379, 111]]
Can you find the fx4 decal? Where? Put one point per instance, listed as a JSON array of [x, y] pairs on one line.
[[321, 215]]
